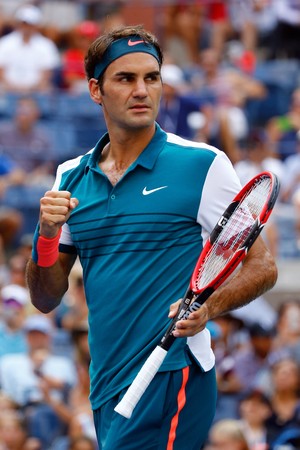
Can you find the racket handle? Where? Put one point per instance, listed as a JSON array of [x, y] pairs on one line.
[[146, 374]]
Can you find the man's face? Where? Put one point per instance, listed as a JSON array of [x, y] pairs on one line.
[[131, 91]]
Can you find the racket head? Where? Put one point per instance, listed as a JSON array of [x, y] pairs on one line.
[[235, 232]]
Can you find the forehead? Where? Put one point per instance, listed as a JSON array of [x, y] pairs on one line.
[[134, 63]]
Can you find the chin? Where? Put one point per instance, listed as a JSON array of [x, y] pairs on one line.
[[142, 122]]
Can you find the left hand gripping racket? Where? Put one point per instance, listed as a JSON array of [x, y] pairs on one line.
[[227, 246]]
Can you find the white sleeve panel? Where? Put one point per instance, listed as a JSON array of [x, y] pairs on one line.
[[220, 187], [65, 237]]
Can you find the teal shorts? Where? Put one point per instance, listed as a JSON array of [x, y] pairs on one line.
[[175, 413]]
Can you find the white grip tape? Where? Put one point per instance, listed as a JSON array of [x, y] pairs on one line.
[[135, 391]]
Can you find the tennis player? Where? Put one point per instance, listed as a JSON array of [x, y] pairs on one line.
[[136, 210]]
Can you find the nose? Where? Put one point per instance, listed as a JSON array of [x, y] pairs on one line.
[[140, 89]]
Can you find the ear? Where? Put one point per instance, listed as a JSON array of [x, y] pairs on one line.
[[95, 91]]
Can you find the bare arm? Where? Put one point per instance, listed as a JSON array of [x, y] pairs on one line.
[[47, 285], [257, 275]]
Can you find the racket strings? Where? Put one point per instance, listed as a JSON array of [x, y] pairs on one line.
[[234, 234]]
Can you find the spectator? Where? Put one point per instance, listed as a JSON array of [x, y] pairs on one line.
[[37, 380], [227, 434], [282, 130], [14, 434], [285, 399], [252, 23], [82, 443], [287, 32], [183, 28], [10, 174], [232, 340], [254, 410], [16, 266], [288, 329], [73, 73], [258, 158], [77, 414], [177, 102], [11, 221], [246, 368], [27, 58], [229, 90], [12, 337], [217, 21], [291, 183], [27, 143]]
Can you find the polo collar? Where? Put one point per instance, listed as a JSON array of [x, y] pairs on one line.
[[146, 159]]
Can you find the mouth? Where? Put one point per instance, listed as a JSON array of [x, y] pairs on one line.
[[140, 107]]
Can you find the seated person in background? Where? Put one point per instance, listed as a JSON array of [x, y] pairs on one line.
[[37, 380], [288, 329], [11, 219], [28, 144], [254, 410], [231, 89], [14, 300], [257, 158], [185, 113], [284, 399], [82, 443], [80, 38], [27, 58], [14, 434], [282, 130], [77, 414], [290, 186], [248, 367], [227, 434]]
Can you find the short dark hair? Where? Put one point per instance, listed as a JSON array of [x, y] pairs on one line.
[[99, 46]]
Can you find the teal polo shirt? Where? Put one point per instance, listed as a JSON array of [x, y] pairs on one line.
[[138, 242]]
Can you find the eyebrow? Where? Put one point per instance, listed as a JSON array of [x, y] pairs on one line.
[[124, 73]]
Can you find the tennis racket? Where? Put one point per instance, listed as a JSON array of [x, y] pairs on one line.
[[227, 246]]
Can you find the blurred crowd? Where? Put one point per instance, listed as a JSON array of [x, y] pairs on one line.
[[231, 78]]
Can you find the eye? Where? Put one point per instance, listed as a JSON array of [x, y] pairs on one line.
[[153, 77], [126, 78]]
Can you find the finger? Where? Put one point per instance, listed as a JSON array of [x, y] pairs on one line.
[[58, 205], [189, 327], [174, 308], [73, 203], [58, 194]]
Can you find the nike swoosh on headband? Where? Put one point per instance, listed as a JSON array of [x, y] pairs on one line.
[[132, 43], [150, 191]]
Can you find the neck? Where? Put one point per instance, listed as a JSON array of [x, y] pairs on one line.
[[122, 150], [125, 147]]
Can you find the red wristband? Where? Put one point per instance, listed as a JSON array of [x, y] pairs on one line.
[[47, 250]]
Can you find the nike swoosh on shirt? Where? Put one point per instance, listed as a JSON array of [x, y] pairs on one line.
[[150, 191], [132, 43]]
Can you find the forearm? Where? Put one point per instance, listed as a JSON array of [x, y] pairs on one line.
[[257, 275], [47, 285], [48, 271]]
